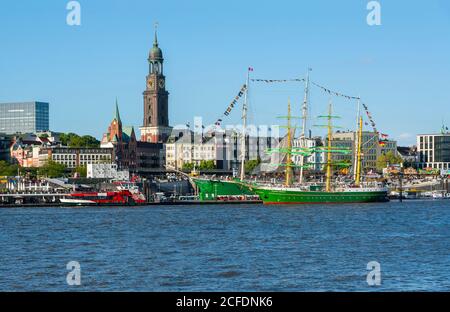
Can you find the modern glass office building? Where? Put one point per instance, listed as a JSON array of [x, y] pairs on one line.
[[5, 144], [434, 151], [27, 117]]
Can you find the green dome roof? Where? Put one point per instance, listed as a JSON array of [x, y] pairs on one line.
[[155, 52]]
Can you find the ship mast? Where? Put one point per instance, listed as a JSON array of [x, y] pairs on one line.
[[244, 126], [358, 153], [289, 148], [330, 149], [330, 133], [355, 154], [304, 116]]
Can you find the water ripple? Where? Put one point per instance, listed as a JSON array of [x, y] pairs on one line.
[[228, 248]]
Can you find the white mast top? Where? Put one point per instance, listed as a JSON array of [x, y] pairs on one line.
[[358, 115], [305, 104], [244, 126], [305, 117]]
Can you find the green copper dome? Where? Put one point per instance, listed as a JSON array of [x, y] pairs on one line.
[[155, 52]]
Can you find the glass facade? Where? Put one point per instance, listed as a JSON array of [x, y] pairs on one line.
[[25, 117], [5, 144], [442, 149]]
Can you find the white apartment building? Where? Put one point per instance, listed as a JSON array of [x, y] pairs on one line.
[[190, 149], [107, 171], [79, 157], [37, 156], [223, 147], [434, 151], [316, 159]]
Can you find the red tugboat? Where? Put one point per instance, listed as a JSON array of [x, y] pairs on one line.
[[121, 197]]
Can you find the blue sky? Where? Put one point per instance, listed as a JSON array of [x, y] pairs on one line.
[[401, 68]]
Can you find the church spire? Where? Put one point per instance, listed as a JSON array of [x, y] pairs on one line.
[[156, 55], [117, 114], [155, 42]]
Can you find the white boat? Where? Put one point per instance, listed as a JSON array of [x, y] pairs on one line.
[[76, 201], [438, 195]]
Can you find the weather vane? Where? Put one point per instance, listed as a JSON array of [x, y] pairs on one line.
[[156, 24]]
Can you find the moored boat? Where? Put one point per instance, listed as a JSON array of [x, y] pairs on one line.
[[333, 193], [223, 190], [122, 197], [296, 195], [354, 191]]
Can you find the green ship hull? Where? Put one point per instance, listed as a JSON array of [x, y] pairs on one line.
[[222, 190], [283, 196], [213, 190]]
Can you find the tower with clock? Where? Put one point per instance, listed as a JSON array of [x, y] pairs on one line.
[[156, 127]]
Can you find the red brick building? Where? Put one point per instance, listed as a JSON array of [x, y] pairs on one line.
[[122, 139]]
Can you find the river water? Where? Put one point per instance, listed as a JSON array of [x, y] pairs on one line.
[[228, 248]]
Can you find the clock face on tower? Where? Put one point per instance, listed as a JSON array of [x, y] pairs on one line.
[[150, 84], [161, 84]]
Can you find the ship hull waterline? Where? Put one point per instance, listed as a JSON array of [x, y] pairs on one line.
[[286, 197], [212, 190]]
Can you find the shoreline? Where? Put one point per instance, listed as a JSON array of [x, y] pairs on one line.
[[178, 203]]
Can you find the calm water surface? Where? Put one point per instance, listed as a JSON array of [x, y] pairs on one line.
[[228, 248]]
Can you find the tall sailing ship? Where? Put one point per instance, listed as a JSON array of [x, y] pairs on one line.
[[297, 193], [314, 193]]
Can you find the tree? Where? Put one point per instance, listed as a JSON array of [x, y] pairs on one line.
[[52, 170], [388, 159], [187, 167], [65, 138], [7, 169], [74, 140], [81, 171], [29, 173], [207, 165], [89, 141], [252, 164]]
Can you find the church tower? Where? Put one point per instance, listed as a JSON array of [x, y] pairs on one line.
[[115, 128], [156, 127]]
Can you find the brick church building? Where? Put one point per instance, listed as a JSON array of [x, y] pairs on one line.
[[148, 153], [122, 139], [156, 127]]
